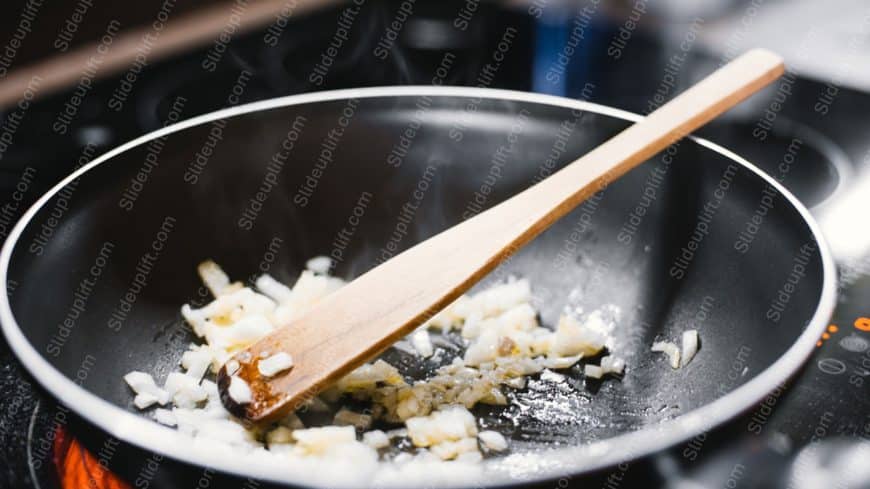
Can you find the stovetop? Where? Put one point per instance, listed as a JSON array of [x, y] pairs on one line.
[[811, 431]]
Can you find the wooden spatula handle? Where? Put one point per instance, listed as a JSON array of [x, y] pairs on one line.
[[388, 302]]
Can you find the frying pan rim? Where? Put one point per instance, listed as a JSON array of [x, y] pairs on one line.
[[145, 433]]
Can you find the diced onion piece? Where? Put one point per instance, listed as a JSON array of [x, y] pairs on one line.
[[471, 326], [275, 364], [542, 341], [521, 317], [184, 389], [213, 276], [404, 346], [596, 321], [483, 349], [422, 343], [239, 390], [690, 346], [593, 371], [143, 385], [277, 291], [498, 299], [368, 375], [310, 288], [376, 439], [316, 441], [195, 318], [139, 381], [144, 400], [319, 264], [240, 334], [670, 349], [211, 389], [196, 361], [165, 417], [612, 365], [449, 450], [516, 382], [493, 440], [450, 424], [226, 310], [561, 363], [576, 338]]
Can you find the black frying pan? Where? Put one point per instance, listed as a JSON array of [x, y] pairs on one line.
[[638, 245]]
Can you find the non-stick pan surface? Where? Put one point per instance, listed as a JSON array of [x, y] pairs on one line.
[[99, 267]]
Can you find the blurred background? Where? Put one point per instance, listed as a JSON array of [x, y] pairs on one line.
[[82, 76], [105, 72]]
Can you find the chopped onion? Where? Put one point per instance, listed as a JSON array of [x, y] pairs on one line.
[[561, 363], [422, 343], [184, 389], [214, 277], [144, 400], [319, 440], [239, 390], [612, 365], [449, 449], [505, 344], [146, 389], [273, 288], [275, 364], [319, 264], [670, 350], [576, 338], [196, 361], [164, 416], [593, 371], [376, 439], [493, 440], [450, 424], [690, 346]]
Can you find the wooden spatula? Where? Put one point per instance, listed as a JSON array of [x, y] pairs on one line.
[[363, 318]]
